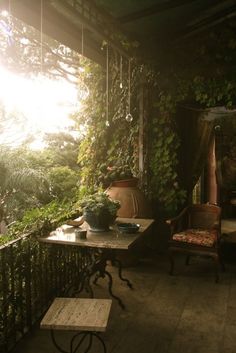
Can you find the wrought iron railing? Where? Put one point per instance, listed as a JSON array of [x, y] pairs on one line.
[[31, 275]]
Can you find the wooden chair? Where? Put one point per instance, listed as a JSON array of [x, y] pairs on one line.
[[196, 231]]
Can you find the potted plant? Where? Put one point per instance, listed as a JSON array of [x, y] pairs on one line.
[[99, 211]]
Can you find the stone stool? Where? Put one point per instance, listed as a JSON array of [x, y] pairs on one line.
[[87, 316]]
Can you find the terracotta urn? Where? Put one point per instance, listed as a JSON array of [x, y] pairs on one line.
[[134, 203]]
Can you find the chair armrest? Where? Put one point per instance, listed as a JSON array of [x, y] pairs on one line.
[[177, 218], [174, 222]]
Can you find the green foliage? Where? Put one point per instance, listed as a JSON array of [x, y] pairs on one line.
[[63, 182], [114, 144], [62, 150], [207, 74], [213, 92], [99, 202], [33, 178], [20, 184], [41, 220], [163, 161]]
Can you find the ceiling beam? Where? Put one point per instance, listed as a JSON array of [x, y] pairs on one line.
[[102, 26], [216, 7], [209, 22], [154, 9]]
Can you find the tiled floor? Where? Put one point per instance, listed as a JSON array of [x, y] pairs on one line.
[[184, 313]]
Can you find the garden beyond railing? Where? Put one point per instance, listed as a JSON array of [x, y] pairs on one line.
[[31, 275]]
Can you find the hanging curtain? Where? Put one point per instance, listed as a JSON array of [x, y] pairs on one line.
[[196, 135], [226, 162]]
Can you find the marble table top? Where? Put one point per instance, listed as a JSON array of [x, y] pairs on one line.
[[108, 240], [80, 314]]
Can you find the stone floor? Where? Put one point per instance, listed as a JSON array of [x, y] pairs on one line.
[[184, 313], [228, 229]]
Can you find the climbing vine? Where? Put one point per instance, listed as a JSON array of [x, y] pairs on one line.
[[114, 144], [204, 78], [164, 184]]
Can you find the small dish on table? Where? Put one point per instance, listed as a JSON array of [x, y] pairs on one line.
[[129, 228], [75, 222]]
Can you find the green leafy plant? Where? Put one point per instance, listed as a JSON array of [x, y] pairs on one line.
[[98, 203]]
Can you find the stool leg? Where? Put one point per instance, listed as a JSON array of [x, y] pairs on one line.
[[101, 340], [56, 344], [90, 343], [91, 336], [85, 334]]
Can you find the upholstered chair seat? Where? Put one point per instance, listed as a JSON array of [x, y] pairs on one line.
[[196, 231]]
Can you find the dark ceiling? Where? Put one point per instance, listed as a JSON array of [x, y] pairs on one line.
[[156, 25]]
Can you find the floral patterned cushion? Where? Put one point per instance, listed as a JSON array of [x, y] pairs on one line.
[[197, 236]]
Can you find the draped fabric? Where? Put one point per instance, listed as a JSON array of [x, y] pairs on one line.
[[226, 153], [226, 163], [196, 133]]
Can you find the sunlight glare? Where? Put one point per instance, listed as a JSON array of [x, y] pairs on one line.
[[4, 13], [45, 103]]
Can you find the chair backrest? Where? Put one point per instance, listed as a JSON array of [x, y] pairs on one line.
[[204, 216]]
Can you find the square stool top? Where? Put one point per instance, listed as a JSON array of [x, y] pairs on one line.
[[80, 314]]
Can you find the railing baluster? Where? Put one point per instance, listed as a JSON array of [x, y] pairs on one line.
[[31, 275], [4, 306]]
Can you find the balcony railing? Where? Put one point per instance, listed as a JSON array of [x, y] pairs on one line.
[[31, 275]]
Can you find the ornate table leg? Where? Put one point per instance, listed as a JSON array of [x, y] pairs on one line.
[[97, 266], [100, 271], [110, 283], [119, 263]]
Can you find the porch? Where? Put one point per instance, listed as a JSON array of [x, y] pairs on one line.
[[186, 313]]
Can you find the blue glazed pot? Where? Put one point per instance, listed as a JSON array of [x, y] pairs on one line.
[[100, 222]]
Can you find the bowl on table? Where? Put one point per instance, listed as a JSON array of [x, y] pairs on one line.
[[130, 228]]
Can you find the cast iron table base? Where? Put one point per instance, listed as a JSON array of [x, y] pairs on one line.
[[97, 268]]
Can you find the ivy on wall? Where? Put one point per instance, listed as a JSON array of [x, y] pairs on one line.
[[164, 184], [118, 143], [103, 145], [206, 77]]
